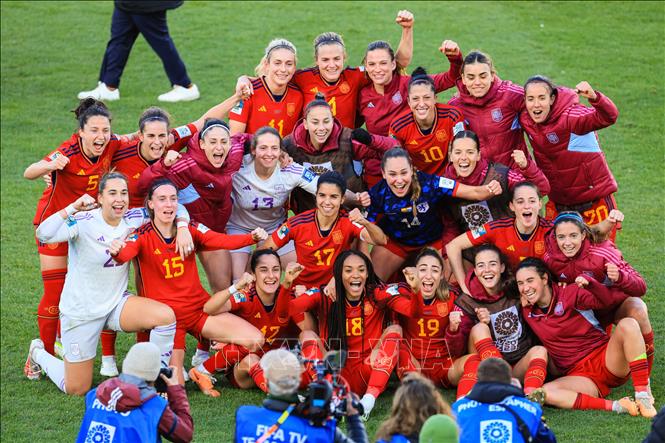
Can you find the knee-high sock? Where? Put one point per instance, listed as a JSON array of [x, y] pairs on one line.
[[405, 362], [639, 372], [52, 366], [108, 337], [163, 336], [47, 311], [648, 342], [486, 349], [469, 376], [225, 358], [311, 351], [584, 401], [384, 363], [259, 379], [535, 375]]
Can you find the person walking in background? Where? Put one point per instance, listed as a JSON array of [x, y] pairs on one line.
[[148, 18]]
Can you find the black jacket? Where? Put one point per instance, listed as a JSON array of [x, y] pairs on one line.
[[146, 6]]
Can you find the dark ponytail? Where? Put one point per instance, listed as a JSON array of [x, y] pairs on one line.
[[90, 107]]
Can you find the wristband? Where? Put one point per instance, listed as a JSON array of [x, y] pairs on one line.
[[70, 210], [233, 289], [181, 224]]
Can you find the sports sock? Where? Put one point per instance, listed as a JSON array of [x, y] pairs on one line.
[[163, 336], [47, 311], [486, 349], [311, 351], [639, 372], [384, 363], [535, 375], [259, 379], [469, 376], [648, 342], [583, 401], [52, 366], [405, 362], [225, 358], [108, 342]]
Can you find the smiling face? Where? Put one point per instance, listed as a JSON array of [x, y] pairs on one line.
[[398, 173], [95, 135], [216, 144], [267, 273], [154, 139], [266, 153], [488, 269], [422, 101], [354, 276], [533, 287], [114, 199], [430, 272], [539, 101], [526, 205], [319, 124], [329, 199], [464, 155], [379, 66], [164, 204], [569, 237], [330, 61], [477, 77], [280, 67]]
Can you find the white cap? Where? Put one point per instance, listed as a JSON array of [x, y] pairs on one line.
[[143, 361]]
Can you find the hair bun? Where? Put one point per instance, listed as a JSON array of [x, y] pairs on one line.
[[319, 96], [419, 72]]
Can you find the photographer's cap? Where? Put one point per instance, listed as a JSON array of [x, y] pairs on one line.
[[282, 371], [439, 428], [143, 361]]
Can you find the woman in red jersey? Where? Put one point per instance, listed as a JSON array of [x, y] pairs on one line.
[[259, 299], [562, 134], [492, 320], [74, 169], [491, 109], [386, 97], [573, 249], [354, 323], [166, 277], [275, 101], [428, 127], [591, 362]]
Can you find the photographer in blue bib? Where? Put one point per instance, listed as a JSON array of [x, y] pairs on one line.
[[283, 417], [128, 408]]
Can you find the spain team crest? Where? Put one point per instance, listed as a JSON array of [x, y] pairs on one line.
[[368, 309], [290, 109], [441, 135], [442, 309], [539, 247], [553, 138], [497, 115], [344, 88], [397, 98], [338, 237]]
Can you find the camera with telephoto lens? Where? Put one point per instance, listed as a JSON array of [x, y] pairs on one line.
[[327, 394], [160, 384]]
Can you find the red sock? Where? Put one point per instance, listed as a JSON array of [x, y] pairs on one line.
[[639, 371], [384, 363], [311, 351], [584, 401], [257, 375], [108, 342], [405, 362], [47, 311], [142, 336], [469, 376], [535, 375], [648, 342], [486, 349], [225, 358]]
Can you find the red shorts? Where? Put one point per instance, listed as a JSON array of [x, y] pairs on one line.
[[52, 249], [593, 367], [191, 323], [592, 212], [404, 251]]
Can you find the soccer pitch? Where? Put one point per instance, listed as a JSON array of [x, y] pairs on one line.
[[52, 50]]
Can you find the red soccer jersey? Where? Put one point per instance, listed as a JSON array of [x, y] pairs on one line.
[[341, 95], [129, 161], [263, 108], [314, 251], [167, 278], [80, 176], [504, 235], [428, 149]]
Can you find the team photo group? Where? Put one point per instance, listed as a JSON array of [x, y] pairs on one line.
[[331, 235]]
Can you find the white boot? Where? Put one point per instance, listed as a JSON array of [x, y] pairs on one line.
[[101, 92], [180, 94]]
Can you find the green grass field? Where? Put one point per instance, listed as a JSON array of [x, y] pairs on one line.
[[52, 50]]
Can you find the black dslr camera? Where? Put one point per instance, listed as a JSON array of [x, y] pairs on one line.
[[160, 384]]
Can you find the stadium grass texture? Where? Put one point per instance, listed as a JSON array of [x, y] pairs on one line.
[[52, 50]]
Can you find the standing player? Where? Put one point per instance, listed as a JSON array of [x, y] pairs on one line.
[[75, 169], [565, 145], [591, 361], [427, 129], [491, 109], [94, 296], [354, 323], [275, 100], [409, 203], [321, 234], [167, 277], [385, 98]]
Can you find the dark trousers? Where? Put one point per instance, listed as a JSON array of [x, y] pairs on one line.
[[125, 27]]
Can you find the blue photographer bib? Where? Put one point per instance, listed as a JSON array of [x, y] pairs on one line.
[[253, 421]]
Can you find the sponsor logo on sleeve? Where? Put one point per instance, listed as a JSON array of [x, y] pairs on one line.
[[183, 131], [446, 183], [308, 175], [283, 230], [202, 228], [479, 232], [459, 126], [393, 289], [237, 109], [239, 297]]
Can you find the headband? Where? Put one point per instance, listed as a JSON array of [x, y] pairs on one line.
[[572, 216], [290, 47], [216, 125]]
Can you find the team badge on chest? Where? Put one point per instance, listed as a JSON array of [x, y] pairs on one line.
[[441, 135], [397, 98], [290, 109], [553, 138], [338, 237], [497, 116], [344, 88]]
